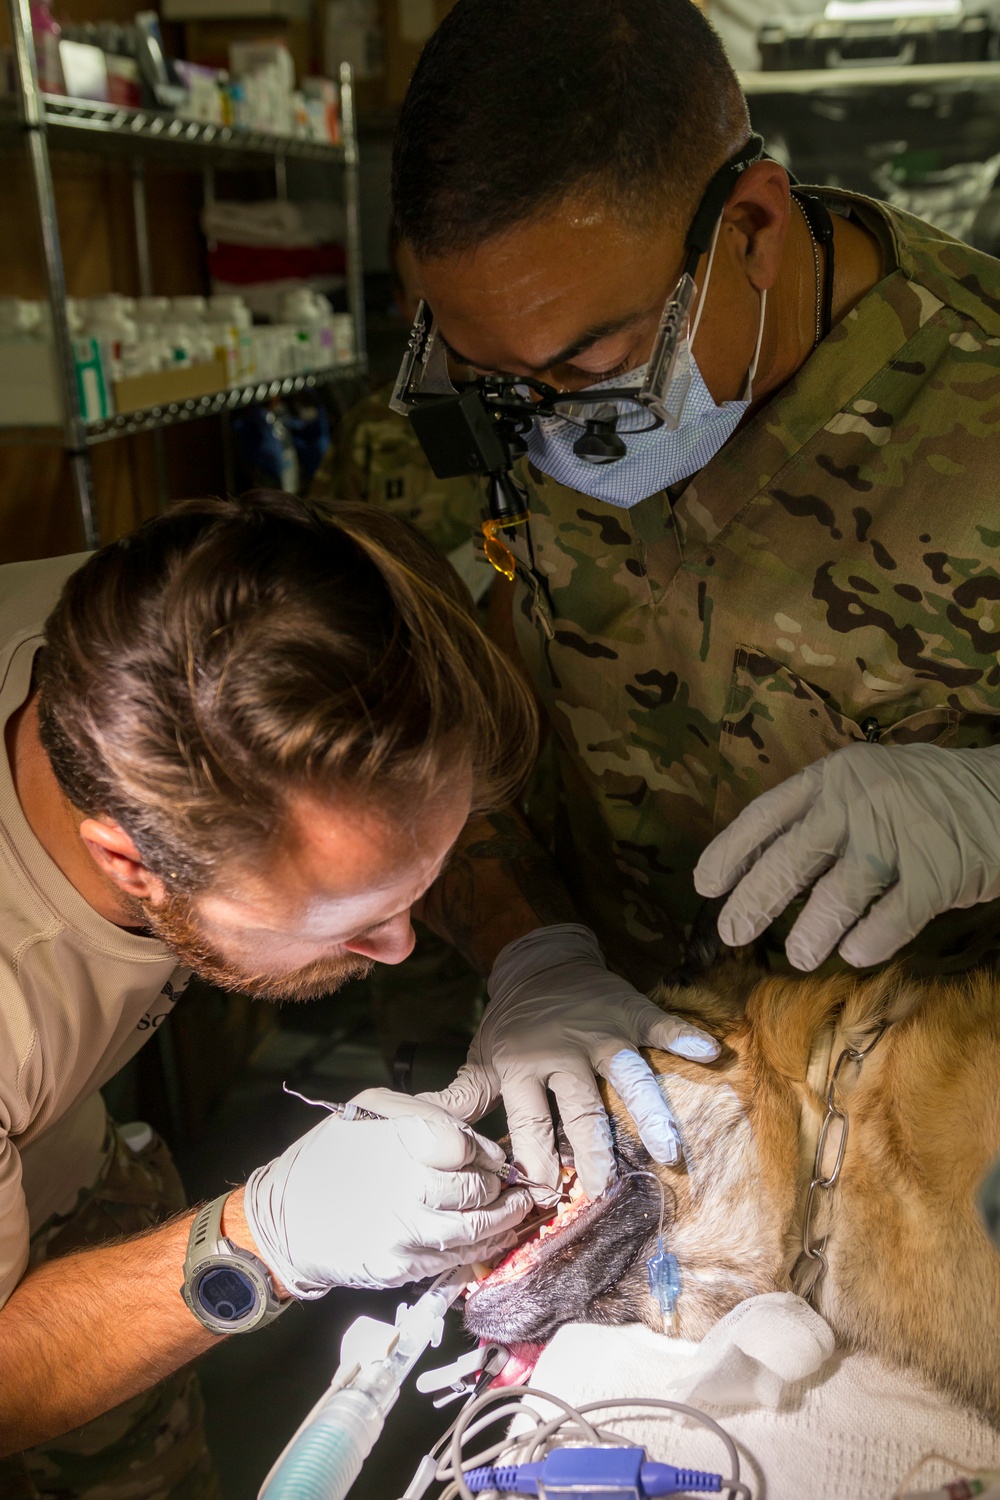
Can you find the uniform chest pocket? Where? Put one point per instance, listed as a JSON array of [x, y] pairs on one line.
[[775, 723]]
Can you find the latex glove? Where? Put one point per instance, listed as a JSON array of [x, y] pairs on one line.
[[917, 822], [557, 1016], [376, 1203]]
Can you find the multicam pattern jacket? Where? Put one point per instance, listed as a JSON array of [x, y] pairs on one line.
[[832, 575], [377, 458]]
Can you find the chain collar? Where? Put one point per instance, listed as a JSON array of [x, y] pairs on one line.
[[823, 1181]]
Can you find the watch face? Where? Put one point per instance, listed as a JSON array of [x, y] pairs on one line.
[[227, 1294]]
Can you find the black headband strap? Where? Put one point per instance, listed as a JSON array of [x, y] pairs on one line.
[[716, 195]]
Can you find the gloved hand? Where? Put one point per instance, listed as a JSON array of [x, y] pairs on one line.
[[556, 1016], [376, 1203], [916, 821]]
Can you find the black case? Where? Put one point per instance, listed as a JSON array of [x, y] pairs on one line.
[[796, 42]]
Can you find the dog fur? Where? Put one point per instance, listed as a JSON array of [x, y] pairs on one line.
[[913, 1277]]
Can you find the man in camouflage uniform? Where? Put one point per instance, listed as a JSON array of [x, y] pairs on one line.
[[823, 579], [846, 593], [376, 458]]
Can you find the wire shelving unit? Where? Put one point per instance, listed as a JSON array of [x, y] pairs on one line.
[[42, 123]]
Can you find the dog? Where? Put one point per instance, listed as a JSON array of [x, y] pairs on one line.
[[910, 1273]]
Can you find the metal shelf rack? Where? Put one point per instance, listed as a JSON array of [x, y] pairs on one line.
[[169, 414], [83, 125], [43, 122]]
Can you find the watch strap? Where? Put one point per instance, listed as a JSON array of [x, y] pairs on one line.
[[208, 1250]]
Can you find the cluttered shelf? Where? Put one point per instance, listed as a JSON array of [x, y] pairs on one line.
[[169, 414], [82, 124]]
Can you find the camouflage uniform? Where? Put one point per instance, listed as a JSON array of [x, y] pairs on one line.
[[377, 457], [831, 575], [152, 1447]]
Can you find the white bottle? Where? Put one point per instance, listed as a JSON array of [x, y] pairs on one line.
[[177, 337], [152, 312], [20, 319], [344, 352], [232, 312], [189, 310], [106, 321], [307, 313]]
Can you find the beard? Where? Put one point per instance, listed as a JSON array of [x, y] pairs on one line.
[[174, 922]]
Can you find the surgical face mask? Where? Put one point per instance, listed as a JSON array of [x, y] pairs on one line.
[[657, 458]]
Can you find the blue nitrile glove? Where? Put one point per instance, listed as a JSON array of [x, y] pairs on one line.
[[908, 830], [557, 1015]]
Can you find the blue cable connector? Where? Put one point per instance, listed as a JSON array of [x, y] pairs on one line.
[[570, 1471], [664, 1280]]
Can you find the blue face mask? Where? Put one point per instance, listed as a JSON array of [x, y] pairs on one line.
[[657, 458]]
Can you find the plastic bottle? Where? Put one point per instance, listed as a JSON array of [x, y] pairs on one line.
[[307, 314], [46, 31], [107, 321], [188, 310], [344, 351], [20, 319], [152, 312], [231, 321], [288, 473]]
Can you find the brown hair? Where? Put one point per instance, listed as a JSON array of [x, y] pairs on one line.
[[233, 652]]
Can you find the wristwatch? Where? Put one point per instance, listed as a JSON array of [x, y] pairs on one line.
[[229, 1289]]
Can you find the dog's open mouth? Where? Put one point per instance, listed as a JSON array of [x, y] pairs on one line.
[[537, 1235], [539, 1228], [567, 1267]]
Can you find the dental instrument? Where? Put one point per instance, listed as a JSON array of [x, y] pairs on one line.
[[510, 1173]]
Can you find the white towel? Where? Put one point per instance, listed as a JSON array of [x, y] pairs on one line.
[[275, 222], [807, 1423]]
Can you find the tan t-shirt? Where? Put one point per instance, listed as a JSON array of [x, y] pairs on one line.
[[78, 995]]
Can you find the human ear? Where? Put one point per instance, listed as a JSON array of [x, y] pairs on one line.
[[758, 211], [116, 856]]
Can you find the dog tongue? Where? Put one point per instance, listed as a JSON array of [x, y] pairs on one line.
[[518, 1369]]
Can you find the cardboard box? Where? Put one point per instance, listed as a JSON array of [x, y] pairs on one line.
[[30, 394], [166, 386], [408, 25]]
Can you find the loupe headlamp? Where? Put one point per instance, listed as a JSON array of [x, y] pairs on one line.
[[480, 426]]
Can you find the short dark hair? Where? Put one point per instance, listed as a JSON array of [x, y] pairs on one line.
[[232, 653], [515, 104]]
